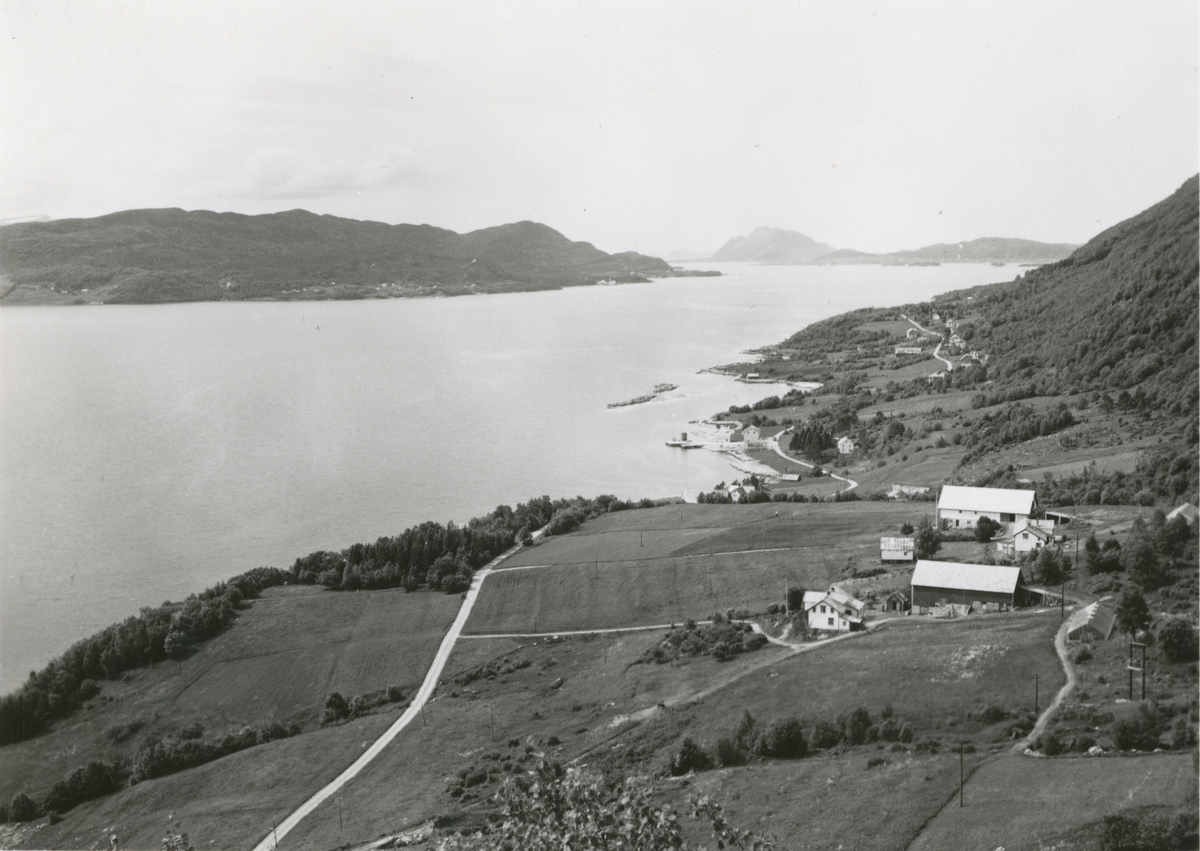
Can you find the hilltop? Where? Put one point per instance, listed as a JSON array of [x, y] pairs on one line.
[[774, 245], [169, 255]]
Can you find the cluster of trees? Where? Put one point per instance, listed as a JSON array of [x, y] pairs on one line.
[[723, 639], [155, 634], [786, 738], [187, 748], [157, 756], [1014, 423], [792, 397], [813, 441], [1162, 472], [1152, 553], [338, 709], [444, 557]]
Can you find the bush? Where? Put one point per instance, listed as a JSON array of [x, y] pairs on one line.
[[22, 808], [785, 739], [728, 753], [691, 757], [858, 725], [1177, 639], [336, 708], [826, 735], [1137, 728]]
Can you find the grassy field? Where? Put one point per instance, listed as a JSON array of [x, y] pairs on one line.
[[742, 561], [276, 663], [1020, 803], [933, 673], [832, 803]]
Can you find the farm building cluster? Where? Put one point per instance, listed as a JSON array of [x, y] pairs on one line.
[[947, 588]]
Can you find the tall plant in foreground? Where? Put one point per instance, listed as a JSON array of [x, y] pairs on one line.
[[557, 808]]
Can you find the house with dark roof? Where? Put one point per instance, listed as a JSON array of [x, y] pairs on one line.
[[982, 587], [833, 610]]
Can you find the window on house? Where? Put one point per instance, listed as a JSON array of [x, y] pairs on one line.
[[831, 621], [956, 523], [822, 610]]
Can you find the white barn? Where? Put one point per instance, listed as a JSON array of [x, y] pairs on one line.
[[963, 506]]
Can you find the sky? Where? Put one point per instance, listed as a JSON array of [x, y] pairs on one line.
[[634, 126]]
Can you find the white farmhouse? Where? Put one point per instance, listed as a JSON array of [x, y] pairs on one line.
[[963, 506], [908, 350], [752, 437], [833, 610], [1027, 536], [845, 445]]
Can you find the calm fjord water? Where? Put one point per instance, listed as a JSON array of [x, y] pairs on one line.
[[147, 452]]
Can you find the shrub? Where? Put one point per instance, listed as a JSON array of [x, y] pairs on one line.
[[691, 757], [336, 708], [1177, 639], [826, 735], [906, 734], [1082, 655], [1136, 729], [728, 753], [1051, 744], [22, 808], [857, 726], [395, 694], [785, 739], [877, 760]]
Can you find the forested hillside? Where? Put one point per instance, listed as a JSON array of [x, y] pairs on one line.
[[173, 255], [1119, 314]]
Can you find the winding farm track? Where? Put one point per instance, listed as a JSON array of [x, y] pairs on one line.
[[938, 348], [775, 445], [271, 840], [425, 692], [1060, 647]]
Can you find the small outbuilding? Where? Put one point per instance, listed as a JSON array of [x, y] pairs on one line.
[[897, 601], [896, 549], [983, 587], [1187, 511], [1091, 623]]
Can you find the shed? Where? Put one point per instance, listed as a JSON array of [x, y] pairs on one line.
[[1091, 623], [1187, 511], [897, 601], [896, 549], [981, 586]]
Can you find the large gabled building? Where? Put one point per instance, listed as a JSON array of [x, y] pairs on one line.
[[983, 587], [963, 506]]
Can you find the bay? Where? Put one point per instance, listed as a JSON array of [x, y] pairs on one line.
[[147, 452]]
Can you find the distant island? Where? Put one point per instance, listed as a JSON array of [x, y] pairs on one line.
[[173, 255], [778, 246]]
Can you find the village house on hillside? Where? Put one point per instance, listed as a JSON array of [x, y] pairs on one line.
[[845, 445], [833, 610], [752, 437], [982, 587], [1027, 536], [1187, 511], [963, 506]]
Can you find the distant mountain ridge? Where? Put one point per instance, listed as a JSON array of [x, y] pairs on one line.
[[775, 245], [169, 255], [772, 245]]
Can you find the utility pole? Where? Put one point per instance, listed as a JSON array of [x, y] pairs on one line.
[[1062, 602], [339, 800], [492, 718], [1035, 693], [961, 774], [786, 611], [274, 835], [1141, 666]]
